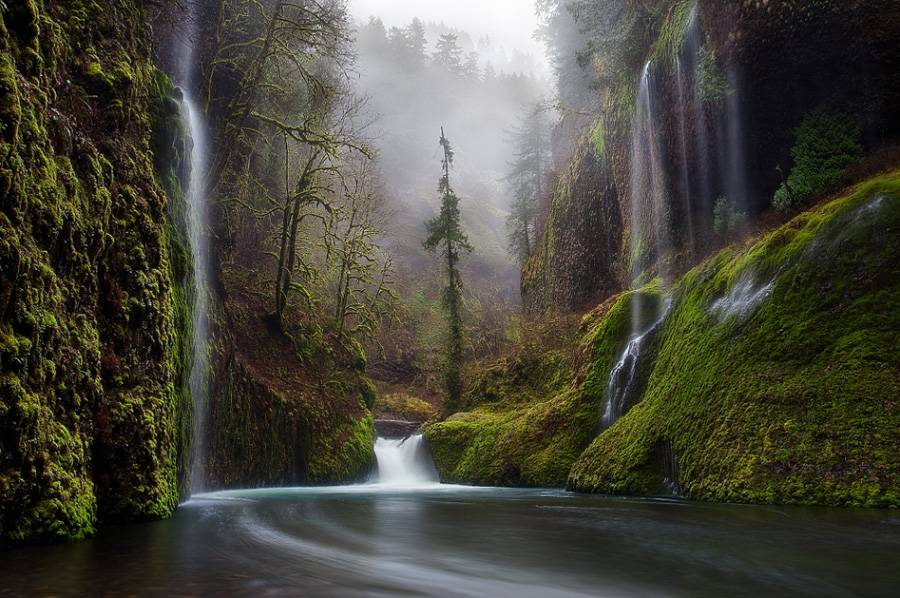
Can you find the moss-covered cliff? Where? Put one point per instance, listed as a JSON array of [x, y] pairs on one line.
[[726, 85], [778, 374], [88, 368], [774, 377]]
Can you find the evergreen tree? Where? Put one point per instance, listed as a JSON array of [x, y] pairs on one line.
[[527, 173], [446, 237], [449, 54], [415, 34]]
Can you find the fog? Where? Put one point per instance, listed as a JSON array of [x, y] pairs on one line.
[[413, 95], [508, 23]]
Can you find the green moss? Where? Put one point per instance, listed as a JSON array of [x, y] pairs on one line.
[[528, 423], [405, 407], [87, 307], [792, 400], [672, 31]]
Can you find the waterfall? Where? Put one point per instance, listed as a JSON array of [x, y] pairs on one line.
[[734, 172], [197, 227], [647, 186], [623, 376], [404, 462]]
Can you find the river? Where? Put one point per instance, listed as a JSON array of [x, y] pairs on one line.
[[411, 537]]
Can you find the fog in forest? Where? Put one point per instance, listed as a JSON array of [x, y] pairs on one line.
[[427, 65]]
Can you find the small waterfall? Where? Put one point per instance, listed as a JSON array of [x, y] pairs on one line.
[[623, 376], [197, 226], [405, 462]]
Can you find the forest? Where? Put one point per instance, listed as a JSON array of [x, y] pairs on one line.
[[377, 298]]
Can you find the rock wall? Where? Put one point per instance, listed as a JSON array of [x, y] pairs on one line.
[[89, 364], [729, 83]]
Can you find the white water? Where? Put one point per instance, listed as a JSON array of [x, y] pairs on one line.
[[197, 227], [404, 463], [622, 376], [743, 298]]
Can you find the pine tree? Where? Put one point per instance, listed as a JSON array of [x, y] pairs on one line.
[[446, 237], [449, 54], [415, 33], [527, 173]]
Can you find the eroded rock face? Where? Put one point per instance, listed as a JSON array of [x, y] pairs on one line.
[[579, 260], [718, 117], [89, 367]]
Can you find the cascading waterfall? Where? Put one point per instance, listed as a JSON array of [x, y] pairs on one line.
[[623, 376], [404, 462], [197, 226], [692, 128]]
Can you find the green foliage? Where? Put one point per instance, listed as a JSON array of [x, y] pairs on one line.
[[672, 31], [727, 217], [712, 83], [827, 144]]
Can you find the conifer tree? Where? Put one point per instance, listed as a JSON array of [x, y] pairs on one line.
[[449, 54], [446, 238], [527, 173]]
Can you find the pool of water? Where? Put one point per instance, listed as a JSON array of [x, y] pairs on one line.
[[435, 540]]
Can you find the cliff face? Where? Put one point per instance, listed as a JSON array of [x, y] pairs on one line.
[[712, 116], [89, 366]]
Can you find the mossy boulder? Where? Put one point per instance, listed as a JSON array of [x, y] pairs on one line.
[[777, 376]]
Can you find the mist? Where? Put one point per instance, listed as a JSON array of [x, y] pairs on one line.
[[412, 96]]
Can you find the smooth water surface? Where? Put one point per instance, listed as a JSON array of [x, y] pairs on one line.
[[456, 541]]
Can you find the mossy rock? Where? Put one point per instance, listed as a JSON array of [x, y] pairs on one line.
[[778, 372], [405, 407], [538, 415]]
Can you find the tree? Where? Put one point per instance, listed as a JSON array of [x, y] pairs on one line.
[[446, 237], [527, 173], [415, 34], [449, 54], [360, 271]]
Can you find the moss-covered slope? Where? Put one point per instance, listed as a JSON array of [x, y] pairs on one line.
[[778, 374], [87, 367], [775, 377]]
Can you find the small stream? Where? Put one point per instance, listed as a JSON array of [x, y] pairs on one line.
[[406, 535]]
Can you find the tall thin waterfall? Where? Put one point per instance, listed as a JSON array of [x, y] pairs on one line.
[[198, 226], [647, 186]]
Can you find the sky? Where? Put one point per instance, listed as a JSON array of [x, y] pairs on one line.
[[510, 23]]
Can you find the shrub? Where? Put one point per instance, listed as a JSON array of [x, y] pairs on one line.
[[726, 216], [826, 146], [711, 83]]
